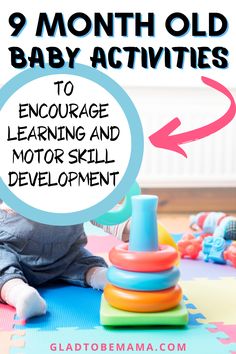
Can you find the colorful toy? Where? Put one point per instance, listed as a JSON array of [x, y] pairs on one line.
[[143, 279], [212, 248], [123, 213], [230, 254], [190, 246], [216, 223], [218, 231]]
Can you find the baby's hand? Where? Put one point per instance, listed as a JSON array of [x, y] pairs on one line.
[[120, 231]]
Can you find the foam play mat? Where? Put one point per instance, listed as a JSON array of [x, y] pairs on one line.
[[72, 323]]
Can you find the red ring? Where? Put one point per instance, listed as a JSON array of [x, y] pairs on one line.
[[157, 261]]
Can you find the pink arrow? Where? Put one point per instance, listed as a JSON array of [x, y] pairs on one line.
[[162, 138]]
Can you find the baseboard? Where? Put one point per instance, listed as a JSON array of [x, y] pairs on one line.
[[178, 200]]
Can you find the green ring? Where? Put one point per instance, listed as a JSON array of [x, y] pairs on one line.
[[121, 214]]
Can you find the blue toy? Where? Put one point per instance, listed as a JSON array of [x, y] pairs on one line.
[[213, 249], [206, 247], [144, 232]]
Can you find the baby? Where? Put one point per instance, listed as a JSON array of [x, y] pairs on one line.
[[32, 254]]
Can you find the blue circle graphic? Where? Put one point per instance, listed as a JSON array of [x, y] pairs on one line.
[[136, 146]]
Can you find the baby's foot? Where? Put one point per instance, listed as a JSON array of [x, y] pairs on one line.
[[24, 298], [29, 303]]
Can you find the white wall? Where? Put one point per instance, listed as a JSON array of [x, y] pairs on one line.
[[211, 161]]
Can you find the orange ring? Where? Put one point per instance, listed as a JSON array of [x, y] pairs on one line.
[[157, 261], [143, 301]]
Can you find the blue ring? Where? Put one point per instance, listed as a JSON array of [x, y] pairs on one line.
[[143, 281], [137, 142]]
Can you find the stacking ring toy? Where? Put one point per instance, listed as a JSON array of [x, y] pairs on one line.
[[143, 281], [153, 261], [146, 301], [123, 212]]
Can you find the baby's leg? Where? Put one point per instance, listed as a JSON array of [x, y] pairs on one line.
[[14, 289], [86, 270]]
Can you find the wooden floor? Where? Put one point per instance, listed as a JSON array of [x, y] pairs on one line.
[[187, 200], [174, 222], [177, 204]]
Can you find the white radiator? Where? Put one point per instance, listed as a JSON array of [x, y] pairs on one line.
[[211, 161]]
